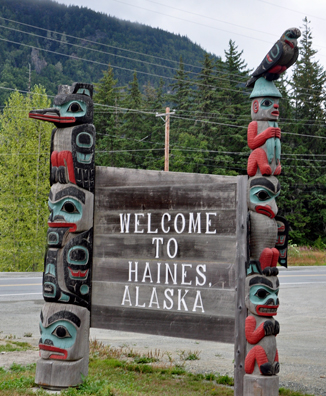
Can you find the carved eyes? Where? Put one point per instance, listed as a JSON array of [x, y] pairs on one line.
[[69, 207], [267, 103], [262, 195], [263, 293], [74, 107], [61, 332]]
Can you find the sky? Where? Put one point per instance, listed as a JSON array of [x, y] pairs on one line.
[[254, 25]]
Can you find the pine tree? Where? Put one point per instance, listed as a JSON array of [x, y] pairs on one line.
[[132, 127], [107, 119], [303, 176], [309, 91], [152, 127]]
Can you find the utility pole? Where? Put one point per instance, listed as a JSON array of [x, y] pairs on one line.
[[29, 78], [167, 136]]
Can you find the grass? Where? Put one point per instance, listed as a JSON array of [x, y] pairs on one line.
[[123, 372], [8, 345], [306, 256]]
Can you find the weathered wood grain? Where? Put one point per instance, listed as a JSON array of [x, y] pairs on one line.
[[137, 247], [223, 221], [164, 323], [240, 273], [219, 274], [211, 302], [139, 283], [121, 177]]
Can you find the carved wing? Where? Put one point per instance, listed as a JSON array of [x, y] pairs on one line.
[[270, 60]]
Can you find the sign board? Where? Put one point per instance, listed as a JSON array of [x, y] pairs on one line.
[[166, 252]]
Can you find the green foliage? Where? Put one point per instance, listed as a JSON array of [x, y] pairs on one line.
[[208, 132], [58, 58], [24, 164]]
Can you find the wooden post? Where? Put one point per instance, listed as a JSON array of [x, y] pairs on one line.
[[240, 309], [167, 139], [65, 317]]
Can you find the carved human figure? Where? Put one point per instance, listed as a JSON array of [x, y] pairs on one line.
[[261, 328], [263, 132]]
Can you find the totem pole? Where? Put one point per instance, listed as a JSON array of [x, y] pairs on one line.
[[65, 317], [268, 233]]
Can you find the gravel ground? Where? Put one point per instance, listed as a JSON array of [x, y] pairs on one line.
[[301, 342]]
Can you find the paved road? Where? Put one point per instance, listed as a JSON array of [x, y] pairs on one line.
[[301, 342], [20, 287], [28, 286]]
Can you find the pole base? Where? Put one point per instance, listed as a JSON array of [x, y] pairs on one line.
[[260, 385], [55, 375]]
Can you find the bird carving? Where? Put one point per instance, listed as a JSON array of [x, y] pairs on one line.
[[280, 57]]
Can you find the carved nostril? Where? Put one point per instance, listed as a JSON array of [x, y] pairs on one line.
[[48, 342]]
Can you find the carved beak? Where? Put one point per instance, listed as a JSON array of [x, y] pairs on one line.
[[51, 115]]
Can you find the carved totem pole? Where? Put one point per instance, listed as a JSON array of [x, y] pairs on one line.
[[268, 233], [65, 317]]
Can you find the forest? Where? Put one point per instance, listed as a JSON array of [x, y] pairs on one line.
[[208, 130]]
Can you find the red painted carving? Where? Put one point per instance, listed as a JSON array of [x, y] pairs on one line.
[[269, 258], [256, 140], [253, 335], [64, 158], [258, 158]]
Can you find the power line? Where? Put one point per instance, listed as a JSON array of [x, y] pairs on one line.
[[196, 23], [117, 56], [97, 43], [74, 57]]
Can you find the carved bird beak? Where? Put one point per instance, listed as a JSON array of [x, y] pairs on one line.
[[51, 115]]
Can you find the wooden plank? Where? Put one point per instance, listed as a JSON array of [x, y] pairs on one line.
[[201, 301], [240, 268], [142, 247], [165, 251], [218, 275], [164, 323], [121, 177], [167, 197], [109, 221]]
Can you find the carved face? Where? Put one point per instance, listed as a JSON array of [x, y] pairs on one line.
[[72, 106], [262, 192], [64, 332], [262, 295], [66, 277], [265, 109], [290, 37], [71, 207]]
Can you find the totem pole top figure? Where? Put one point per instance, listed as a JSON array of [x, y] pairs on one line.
[[72, 106], [265, 101], [280, 57]]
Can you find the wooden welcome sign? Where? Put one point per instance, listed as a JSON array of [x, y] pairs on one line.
[[166, 252], [133, 250]]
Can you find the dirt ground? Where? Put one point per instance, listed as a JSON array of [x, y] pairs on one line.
[[301, 342]]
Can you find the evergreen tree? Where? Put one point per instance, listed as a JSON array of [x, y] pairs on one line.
[[309, 91], [303, 176], [152, 126], [24, 181], [132, 127], [107, 119]]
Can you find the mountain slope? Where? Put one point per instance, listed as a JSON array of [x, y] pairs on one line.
[[56, 57]]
